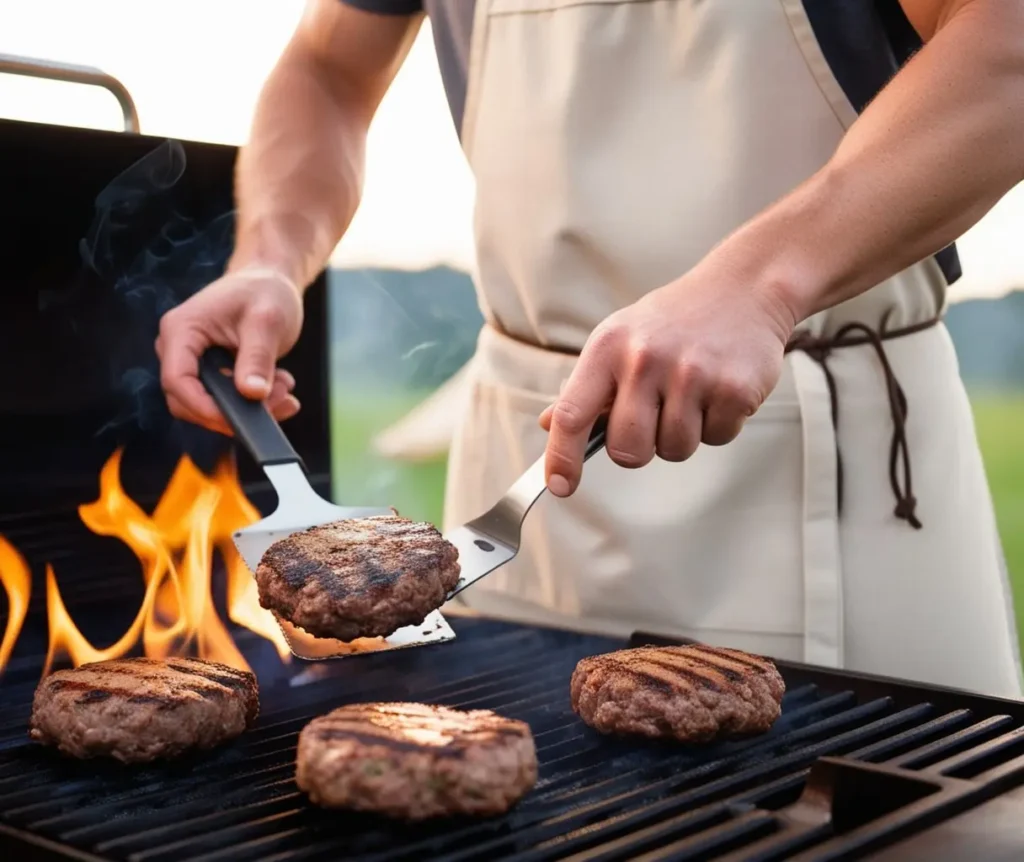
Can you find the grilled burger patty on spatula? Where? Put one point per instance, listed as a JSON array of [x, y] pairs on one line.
[[358, 578]]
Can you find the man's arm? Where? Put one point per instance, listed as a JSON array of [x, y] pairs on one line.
[[300, 177], [298, 184], [691, 361], [935, 150]]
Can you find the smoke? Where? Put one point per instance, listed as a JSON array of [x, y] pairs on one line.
[[149, 252], [395, 331]]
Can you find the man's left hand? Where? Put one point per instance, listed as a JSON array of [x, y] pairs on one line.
[[688, 363]]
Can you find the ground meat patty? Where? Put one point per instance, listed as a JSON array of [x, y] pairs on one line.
[[690, 693], [364, 577], [412, 761], [140, 709]]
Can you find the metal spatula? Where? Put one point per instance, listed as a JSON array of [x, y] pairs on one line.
[[484, 544], [491, 540], [299, 507]]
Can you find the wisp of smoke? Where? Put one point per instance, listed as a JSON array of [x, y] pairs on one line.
[[150, 255]]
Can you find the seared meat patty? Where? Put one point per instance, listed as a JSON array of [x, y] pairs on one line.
[[689, 693], [140, 709], [365, 577], [412, 761]]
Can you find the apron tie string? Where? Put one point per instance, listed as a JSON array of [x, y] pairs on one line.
[[853, 334]]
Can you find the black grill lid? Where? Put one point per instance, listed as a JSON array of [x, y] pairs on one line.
[[853, 764]]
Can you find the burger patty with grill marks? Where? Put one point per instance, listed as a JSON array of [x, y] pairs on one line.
[[364, 577], [411, 761], [139, 709], [689, 693]]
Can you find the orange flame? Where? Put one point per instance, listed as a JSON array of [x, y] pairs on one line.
[[17, 583], [195, 517]]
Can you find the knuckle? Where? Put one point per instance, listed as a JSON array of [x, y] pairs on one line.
[[568, 417], [168, 323], [647, 358], [677, 448], [692, 373], [167, 380], [628, 458], [607, 336], [738, 394], [268, 314]]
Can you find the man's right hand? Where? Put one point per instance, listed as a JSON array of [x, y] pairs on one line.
[[257, 313]]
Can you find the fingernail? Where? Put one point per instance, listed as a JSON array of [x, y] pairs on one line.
[[255, 381], [558, 485]]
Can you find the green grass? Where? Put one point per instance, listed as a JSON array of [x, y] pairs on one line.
[[363, 478], [999, 418], [417, 490]]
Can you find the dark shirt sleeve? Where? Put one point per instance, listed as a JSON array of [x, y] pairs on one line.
[[387, 7]]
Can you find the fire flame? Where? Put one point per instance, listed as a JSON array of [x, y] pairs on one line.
[[193, 520], [17, 582]]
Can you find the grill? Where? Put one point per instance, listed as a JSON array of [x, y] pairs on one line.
[[854, 764]]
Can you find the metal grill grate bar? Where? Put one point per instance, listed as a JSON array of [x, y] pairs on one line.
[[947, 745], [597, 798]]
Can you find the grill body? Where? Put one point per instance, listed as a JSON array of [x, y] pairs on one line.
[[853, 765]]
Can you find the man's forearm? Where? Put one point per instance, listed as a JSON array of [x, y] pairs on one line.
[[299, 178], [938, 147]]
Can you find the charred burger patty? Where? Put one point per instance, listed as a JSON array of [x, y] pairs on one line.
[[689, 693], [139, 709], [365, 577], [412, 761]]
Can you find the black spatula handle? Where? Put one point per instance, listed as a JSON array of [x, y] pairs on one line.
[[597, 434], [253, 425]]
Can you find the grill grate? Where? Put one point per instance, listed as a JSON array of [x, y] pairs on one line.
[[841, 736]]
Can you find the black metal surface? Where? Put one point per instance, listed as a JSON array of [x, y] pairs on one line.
[[100, 233], [910, 757]]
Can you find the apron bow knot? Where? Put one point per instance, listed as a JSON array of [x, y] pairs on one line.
[[855, 334]]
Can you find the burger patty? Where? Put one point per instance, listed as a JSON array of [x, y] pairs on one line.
[[139, 709], [689, 693], [412, 761], [364, 577]]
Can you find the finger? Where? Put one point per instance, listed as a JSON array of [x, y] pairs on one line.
[[180, 411], [278, 393], [287, 408], [259, 335], [680, 426], [278, 401], [722, 423], [633, 425], [179, 377], [731, 403], [284, 378], [589, 389], [545, 417]]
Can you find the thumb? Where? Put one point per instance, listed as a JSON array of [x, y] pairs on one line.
[[258, 339]]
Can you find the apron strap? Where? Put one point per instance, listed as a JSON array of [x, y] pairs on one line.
[[858, 334]]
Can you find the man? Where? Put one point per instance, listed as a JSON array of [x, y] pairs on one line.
[[701, 218]]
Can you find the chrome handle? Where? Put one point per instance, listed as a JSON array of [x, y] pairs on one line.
[[32, 67]]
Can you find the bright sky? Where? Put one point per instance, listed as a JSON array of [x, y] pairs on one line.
[[194, 68]]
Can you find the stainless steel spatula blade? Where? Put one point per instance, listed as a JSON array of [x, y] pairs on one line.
[[299, 507], [488, 542]]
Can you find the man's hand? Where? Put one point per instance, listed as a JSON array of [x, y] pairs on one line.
[[258, 314], [688, 363]]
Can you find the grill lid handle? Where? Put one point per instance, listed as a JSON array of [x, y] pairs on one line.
[[33, 67]]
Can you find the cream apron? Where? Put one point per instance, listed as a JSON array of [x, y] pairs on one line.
[[614, 142]]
